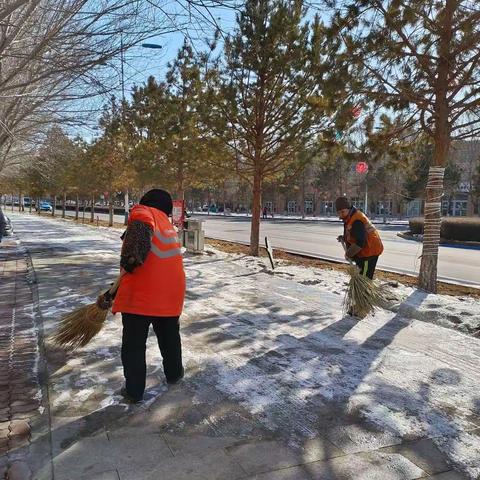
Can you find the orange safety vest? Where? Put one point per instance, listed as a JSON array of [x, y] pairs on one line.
[[156, 288], [373, 243]]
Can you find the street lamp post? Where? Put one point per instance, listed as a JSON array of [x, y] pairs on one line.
[[122, 62]]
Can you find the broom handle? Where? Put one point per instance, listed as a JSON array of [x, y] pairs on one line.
[[112, 290], [345, 250]]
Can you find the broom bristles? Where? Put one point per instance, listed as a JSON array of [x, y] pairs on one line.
[[363, 295], [80, 326]]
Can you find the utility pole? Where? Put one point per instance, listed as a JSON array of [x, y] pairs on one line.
[[126, 200], [366, 194]]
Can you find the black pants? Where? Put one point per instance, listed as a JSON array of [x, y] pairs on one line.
[[134, 340], [367, 266]]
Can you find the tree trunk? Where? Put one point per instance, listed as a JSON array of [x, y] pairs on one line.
[[54, 206], [38, 205], [110, 211], [470, 205], [76, 207], [13, 201], [384, 205], [64, 204], [21, 207], [256, 211], [127, 207], [427, 278], [395, 212], [92, 210], [302, 206]]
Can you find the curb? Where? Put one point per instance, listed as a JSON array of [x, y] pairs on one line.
[[451, 281]]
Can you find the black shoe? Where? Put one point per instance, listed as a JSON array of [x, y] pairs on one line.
[[176, 380], [128, 397]]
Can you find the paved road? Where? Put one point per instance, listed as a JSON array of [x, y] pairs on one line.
[[318, 238], [459, 265]]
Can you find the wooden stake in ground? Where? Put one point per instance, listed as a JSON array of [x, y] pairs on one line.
[[268, 247], [80, 326]]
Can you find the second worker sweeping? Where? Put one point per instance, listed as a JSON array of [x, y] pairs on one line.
[[361, 238]]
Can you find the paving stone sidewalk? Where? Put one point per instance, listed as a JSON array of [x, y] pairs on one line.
[[278, 386], [24, 430]]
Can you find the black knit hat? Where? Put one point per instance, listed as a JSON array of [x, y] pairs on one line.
[[159, 199], [342, 203]]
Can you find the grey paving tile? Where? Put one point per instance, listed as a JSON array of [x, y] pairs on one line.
[[366, 466], [292, 473], [89, 456], [357, 438], [213, 466], [197, 444], [319, 448], [110, 475], [263, 456], [451, 475], [423, 453], [145, 450]]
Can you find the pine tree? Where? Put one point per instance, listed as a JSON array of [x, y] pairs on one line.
[[176, 150], [418, 56], [274, 90]]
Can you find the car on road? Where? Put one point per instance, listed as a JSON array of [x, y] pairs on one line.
[[28, 202], [45, 207], [8, 230], [8, 227]]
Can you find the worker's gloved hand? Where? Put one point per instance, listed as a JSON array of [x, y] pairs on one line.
[[129, 263], [104, 301], [340, 238], [352, 251]]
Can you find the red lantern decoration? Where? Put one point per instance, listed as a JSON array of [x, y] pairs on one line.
[[361, 167], [356, 111]]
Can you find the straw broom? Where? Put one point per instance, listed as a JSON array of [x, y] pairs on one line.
[[363, 295], [80, 326]]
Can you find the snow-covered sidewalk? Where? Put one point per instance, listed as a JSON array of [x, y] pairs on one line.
[[279, 384]]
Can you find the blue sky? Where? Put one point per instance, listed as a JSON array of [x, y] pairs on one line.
[[140, 63]]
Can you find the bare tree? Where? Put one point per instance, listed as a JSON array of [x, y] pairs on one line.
[[56, 51]]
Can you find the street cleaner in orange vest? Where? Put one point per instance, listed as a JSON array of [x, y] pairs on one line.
[[362, 240], [151, 292]]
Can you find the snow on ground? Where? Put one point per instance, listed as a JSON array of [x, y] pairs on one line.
[[459, 312], [279, 345], [285, 352]]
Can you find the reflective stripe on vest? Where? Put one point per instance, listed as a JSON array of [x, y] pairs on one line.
[[166, 241], [165, 253]]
